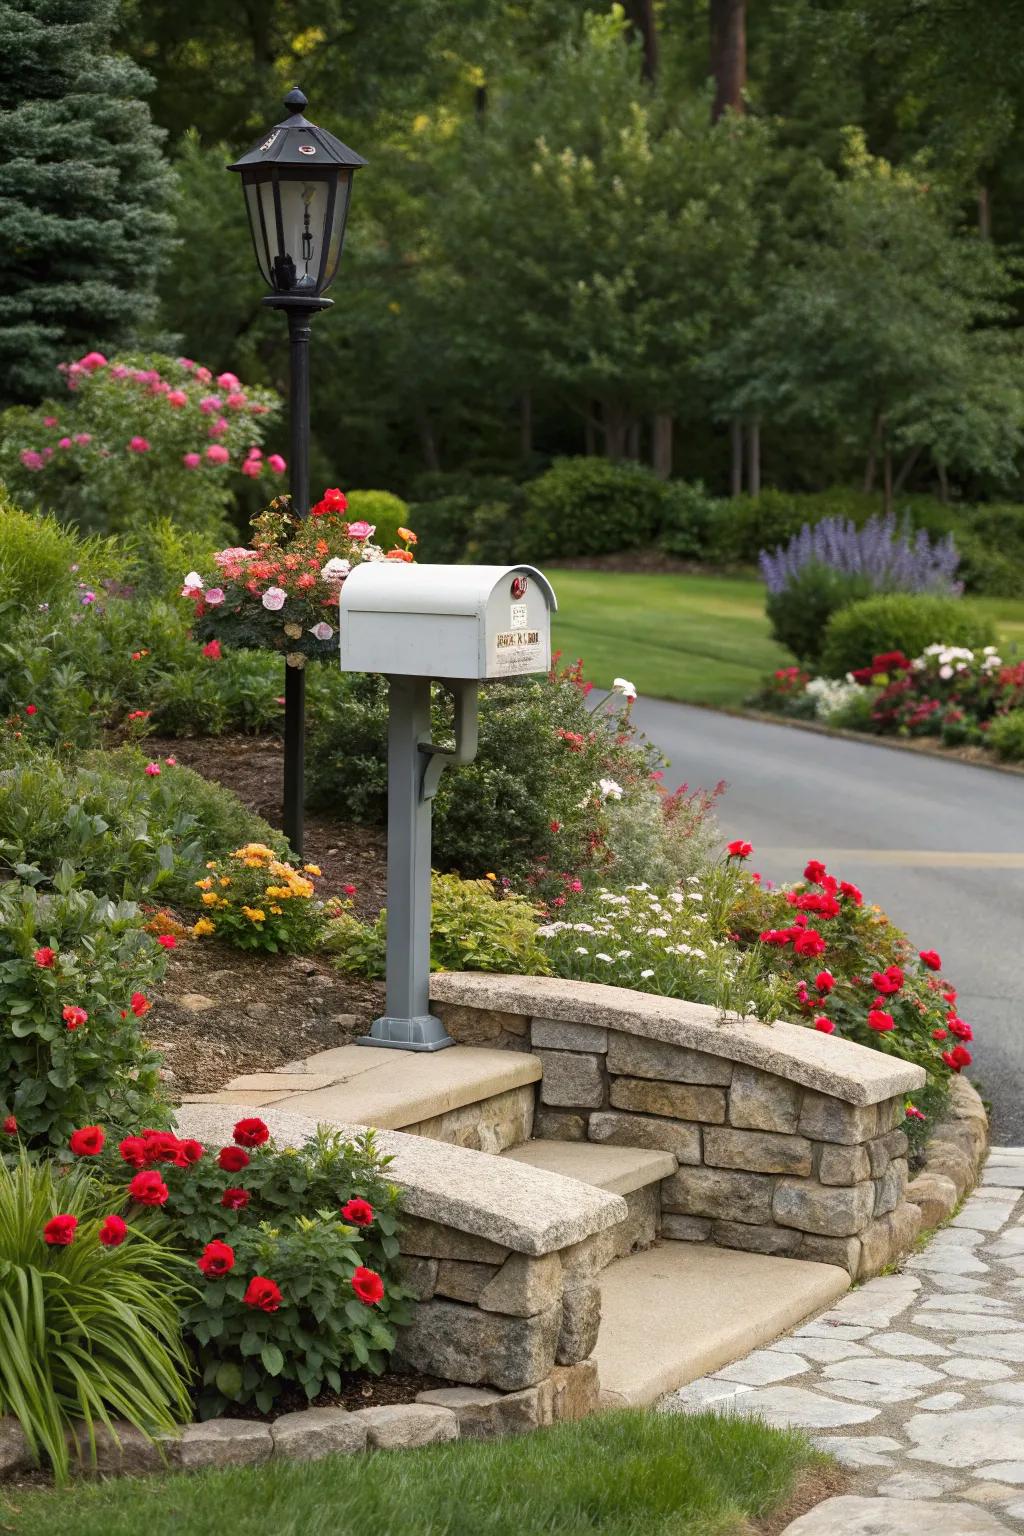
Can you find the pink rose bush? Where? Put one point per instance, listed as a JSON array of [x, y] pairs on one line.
[[137, 436], [282, 593]]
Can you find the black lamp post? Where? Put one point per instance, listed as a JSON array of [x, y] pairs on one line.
[[297, 183]]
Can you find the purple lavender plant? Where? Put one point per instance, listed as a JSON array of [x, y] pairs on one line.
[[889, 558]]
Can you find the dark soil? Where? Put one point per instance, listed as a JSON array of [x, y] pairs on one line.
[[358, 1390], [224, 1011]]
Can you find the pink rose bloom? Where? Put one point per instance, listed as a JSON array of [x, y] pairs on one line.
[[236, 400], [257, 409], [65, 442], [254, 452], [361, 530], [253, 468], [49, 421], [217, 454], [91, 361], [227, 381], [186, 362], [138, 445], [31, 459], [274, 599], [153, 770], [277, 464], [191, 460], [214, 596], [209, 404], [119, 371], [204, 375], [47, 453], [177, 398], [322, 631], [218, 427], [83, 438], [231, 556]]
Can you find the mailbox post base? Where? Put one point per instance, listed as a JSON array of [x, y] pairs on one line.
[[423, 1034]]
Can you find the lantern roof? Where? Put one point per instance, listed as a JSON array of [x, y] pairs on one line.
[[295, 141]]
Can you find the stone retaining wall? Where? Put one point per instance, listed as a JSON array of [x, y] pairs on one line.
[[787, 1141]]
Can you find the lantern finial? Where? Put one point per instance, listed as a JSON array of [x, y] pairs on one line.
[[296, 101]]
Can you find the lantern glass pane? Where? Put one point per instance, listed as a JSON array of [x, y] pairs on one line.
[[304, 208], [337, 235], [253, 191]]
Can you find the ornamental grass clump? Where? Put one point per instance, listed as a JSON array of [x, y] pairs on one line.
[[90, 1313]]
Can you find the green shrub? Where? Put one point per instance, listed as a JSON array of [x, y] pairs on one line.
[[385, 511], [256, 900], [799, 615], [74, 970], [472, 929], [687, 518], [589, 506], [483, 526], [41, 561], [125, 834], [900, 621], [89, 1332], [1006, 736], [442, 527], [990, 538]]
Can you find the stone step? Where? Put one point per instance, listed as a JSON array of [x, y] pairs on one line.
[[697, 1308], [618, 1170]]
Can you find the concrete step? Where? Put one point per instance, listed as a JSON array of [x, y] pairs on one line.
[[697, 1308], [618, 1170]]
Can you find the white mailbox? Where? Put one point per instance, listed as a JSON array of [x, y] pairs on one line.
[[446, 621]]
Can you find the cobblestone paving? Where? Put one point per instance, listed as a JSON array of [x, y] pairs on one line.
[[914, 1381]]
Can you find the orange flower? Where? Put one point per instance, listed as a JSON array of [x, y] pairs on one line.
[[399, 554], [408, 535]]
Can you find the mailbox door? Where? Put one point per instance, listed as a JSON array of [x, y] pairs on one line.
[[517, 628]]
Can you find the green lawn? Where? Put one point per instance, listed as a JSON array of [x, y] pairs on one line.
[[623, 1474], [699, 639]]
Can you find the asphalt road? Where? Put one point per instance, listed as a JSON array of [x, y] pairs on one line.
[[938, 844]]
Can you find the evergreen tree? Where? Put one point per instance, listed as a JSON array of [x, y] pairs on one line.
[[83, 189]]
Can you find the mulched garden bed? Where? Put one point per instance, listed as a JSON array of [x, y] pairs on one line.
[[358, 1390], [223, 1011]]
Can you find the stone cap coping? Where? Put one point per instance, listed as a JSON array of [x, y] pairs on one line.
[[526, 1209], [841, 1068]]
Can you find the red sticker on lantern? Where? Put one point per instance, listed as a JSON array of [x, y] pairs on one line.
[[519, 586]]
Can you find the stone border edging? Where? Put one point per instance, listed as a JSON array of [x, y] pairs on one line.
[[840, 1068], [953, 1157]]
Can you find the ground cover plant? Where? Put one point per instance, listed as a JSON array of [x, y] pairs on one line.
[[617, 1474]]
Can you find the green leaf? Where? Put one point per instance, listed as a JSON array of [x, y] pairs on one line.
[[273, 1360], [228, 1380]]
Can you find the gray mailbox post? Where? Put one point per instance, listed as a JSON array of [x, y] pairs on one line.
[[458, 625]]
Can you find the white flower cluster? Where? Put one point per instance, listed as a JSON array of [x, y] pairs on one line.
[[952, 659], [831, 695]]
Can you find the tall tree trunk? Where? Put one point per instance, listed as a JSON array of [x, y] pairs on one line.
[[735, 457], [984, 213], [615, 425], [943, 483], [590, 431], [633, 440], [873, 447], [525, 424], [887, 480], [905, 468], [728, 20], [642, 19], [662, 424], [428, 442], [754, 458]]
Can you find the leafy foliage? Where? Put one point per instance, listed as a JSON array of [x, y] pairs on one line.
[[1006, 736], [89, 1332], [900, 621], [591, 507], [257, 900]]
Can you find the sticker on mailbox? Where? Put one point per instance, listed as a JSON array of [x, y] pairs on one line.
[[520, 616], [516, 650]]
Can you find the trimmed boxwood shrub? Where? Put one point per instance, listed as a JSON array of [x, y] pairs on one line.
[[384, 510], [1006, 736], [900, 621], [588, 506], [799, 615]]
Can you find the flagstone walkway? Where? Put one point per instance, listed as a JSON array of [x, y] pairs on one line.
[[914, 1381]]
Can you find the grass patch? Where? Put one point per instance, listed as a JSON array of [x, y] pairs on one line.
[[697, 639], [623, 1474]]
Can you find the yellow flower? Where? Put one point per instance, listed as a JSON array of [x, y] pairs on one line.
[[210, 898], [203, 927], [281, 892], [255, 914], [204, 885], [312, 869], [490, 875], [225, 880], [253, 863], [300, 887], [277, 911], [211, 864]]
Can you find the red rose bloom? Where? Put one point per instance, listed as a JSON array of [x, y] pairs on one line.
[[45, 958], [824, 1024], [133, 1150], [232, 1159], [59, 1231], [251, 1133], [217, 1259], [148, 1188], [10, 1126], [189, 1151], [957, 1058], [74, 1017], [809, 943], [235, 1199], [932, 959], [738, 849], [939, 1034], [140, 1004], [880, 1021], [87, 1142], [113, 1232], [263, 1293], [368, 1286], [815, 871], [888, 981], [358, 1212], [913, 1113], [167, 940], [961, 1029], [824, 981]]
